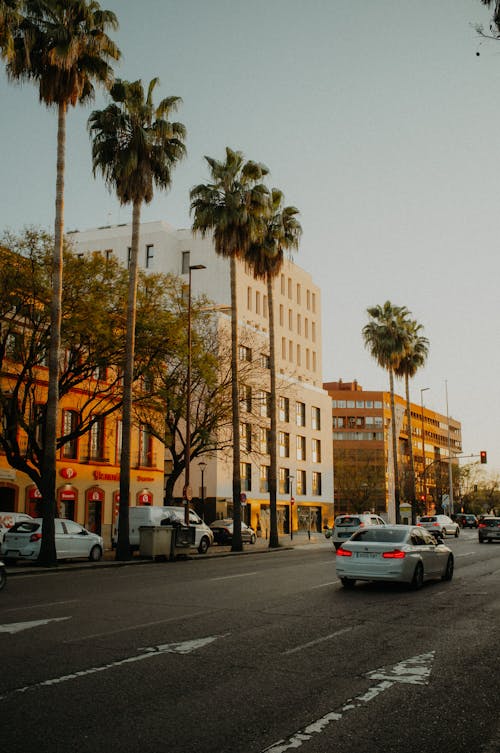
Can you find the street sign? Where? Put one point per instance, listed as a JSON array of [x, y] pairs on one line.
[[187, 493], [243, 498]]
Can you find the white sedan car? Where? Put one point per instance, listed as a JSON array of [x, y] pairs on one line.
[[408, 554], [22, 541]]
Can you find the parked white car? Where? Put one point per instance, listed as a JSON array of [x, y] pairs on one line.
[[23, 540], [8, 519], [346, 525]]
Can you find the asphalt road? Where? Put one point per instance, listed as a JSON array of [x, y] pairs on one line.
[[249, 654]]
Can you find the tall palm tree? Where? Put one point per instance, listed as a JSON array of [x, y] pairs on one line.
[[386, 337], [62, 46], [135, 146], [414, 358], [232, 207], [283, 232]]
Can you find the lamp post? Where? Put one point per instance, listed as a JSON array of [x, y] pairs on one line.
[[187, 493], [202, 465], [424, 489], [450, 473], [290, 483]]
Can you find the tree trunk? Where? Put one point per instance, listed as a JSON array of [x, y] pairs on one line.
[[237, 544], [394, 448], [410, 450], [273, 470], [123, 542], [49, 505]]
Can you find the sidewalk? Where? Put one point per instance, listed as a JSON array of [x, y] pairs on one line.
[[300, 539]]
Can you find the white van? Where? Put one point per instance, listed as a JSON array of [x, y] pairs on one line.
[[153, 516], [7, 520]]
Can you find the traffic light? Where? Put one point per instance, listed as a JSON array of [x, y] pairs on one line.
[[483, 457]]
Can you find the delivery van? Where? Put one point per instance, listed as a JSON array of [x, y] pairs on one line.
[[7, 520], [155, 516]]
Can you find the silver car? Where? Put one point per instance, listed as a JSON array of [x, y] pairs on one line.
[[440, 524], [406, 554], [22, 541], [345, 525]]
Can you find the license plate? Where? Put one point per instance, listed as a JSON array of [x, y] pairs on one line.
[[367, 555], [344, 535]]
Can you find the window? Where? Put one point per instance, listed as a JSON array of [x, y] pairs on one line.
[[360, 403], [314, 303], [284, 409], [338, 422], [145, 447], [316, 451], [282, 315], [264, 478], [308, 299], [257, 302], [298, 292], [282, 284], [316, 483], [249, 298], [290, 319], [315, 418], [264, 440], [300, 414], [314, 361], [100, 372], [246, 398], [301, 482], [299, 324], [284, 481], [289, 288], [108, 254], [290, 351], [308, 359], [284, 444], [377, 404], [40, 420], [149, 255], [246, 477], [301, 447], [306, 327], [245, 353], [265, 403], [186, 256], [70, 423], [283, 348], [265, 361], [97, 439], [264, 306], [246, 437], [313, 331]]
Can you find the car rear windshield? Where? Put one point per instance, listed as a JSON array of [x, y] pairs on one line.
[[382, 534], [348, 521], [428, 519], [491, 522], [24, 526]]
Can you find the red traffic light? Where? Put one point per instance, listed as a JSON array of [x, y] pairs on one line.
[[483, 456]]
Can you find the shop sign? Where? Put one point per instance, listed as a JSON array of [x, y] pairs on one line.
[[68, 473]]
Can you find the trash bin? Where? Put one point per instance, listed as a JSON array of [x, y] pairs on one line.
[[155, 541], [184, 538]]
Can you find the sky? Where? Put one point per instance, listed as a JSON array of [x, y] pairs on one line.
[[376, 118]]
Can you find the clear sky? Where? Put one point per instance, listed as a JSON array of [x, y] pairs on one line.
[[375, 117]]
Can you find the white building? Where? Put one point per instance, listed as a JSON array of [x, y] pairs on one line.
[[305, 465]]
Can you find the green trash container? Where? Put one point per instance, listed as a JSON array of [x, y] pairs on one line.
[[155, 541]]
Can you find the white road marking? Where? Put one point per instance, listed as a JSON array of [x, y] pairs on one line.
[[315, 642], [415, 670], [16, 627], [465, 554], [40, 606], [323, 585], [133, 627], [240, 575], [149, 653]]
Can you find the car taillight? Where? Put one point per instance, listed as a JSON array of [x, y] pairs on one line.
[[343, 552], [435, 524], [35, 537], [395, 554], [361, 525], [482, 525]]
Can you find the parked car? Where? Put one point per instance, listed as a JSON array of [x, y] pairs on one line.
[[401, 553], [22, 541], [146, 515], [489, 529], [345, 525], [223, 532], [466, 520], [440, 524]]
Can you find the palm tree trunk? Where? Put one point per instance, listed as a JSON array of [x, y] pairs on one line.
[[123, 542], [410, 451], [394, 448], [48, 546], [273, 470], [237, 544]]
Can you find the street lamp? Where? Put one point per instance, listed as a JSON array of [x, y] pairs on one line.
[[187, 493], [290, 483], [202, 465], [422, 390]]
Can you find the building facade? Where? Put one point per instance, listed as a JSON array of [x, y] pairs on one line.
[[305, 475], [362, 451]]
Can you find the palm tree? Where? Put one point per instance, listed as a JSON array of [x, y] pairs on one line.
[[63, 47], [232, 206], [386, 337], [415, 357], [283, 232], [135, 147]]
